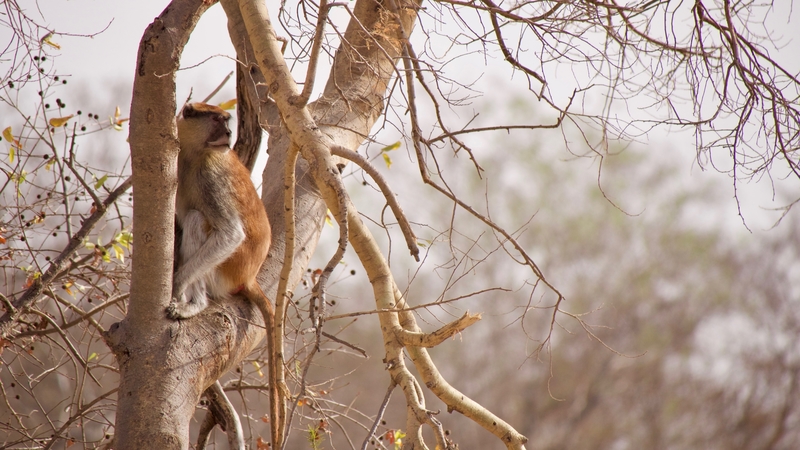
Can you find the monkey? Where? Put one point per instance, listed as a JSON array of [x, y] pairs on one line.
[[226, 233]]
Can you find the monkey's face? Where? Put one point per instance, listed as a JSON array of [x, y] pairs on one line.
[[203, 125], [219, 135]]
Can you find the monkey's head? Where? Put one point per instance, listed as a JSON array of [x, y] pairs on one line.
[[202, 126]]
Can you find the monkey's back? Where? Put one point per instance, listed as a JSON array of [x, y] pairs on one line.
[[245, 263]]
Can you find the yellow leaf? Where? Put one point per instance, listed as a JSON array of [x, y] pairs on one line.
[[117, 113], [229, 104], [49, 164], [7, 134], [11, 153], [391, 147], [60, 121], [258, 368], [67, 287], [387, 160], [92, 356], [47, 39]]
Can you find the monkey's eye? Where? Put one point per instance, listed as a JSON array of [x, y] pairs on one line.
[[220, 119]]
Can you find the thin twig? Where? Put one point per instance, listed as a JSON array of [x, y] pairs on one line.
[[408, 233], [57, 265], [379, 417], [214, 92], [311, 73]]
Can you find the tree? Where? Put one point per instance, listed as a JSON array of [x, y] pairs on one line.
[[708, 55]]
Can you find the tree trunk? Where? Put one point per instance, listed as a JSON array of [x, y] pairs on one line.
[[164, 365]]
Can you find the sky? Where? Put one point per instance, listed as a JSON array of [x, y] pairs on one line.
[[102, 68]]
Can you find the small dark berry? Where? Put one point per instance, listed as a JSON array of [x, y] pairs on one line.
[[352, 272], [44, 58], [67, 178], [47, 258], [79, 112], [46, 105], [64, 82], [55, 78], [83, 128]]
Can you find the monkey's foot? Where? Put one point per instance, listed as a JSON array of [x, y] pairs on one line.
[[178, 310]]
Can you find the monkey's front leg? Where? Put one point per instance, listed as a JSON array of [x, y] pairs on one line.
[[201, 253], [189, 289]]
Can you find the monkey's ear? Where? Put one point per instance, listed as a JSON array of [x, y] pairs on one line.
[[188, 111]]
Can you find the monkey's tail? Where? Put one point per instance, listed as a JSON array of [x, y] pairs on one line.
[[277, 394]]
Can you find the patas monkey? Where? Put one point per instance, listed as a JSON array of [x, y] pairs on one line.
[[226, 233]]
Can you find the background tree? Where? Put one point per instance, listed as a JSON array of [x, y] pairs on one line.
[[732, 89]]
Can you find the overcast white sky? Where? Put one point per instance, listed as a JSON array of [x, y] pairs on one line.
[[107, 62]]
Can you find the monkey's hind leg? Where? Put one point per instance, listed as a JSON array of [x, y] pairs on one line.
[[189, 288]]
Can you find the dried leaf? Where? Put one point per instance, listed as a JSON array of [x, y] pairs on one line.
[[60, 121], [7, 135]]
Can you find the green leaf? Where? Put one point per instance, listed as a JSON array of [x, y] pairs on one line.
[[119, 253], [101, 181]]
